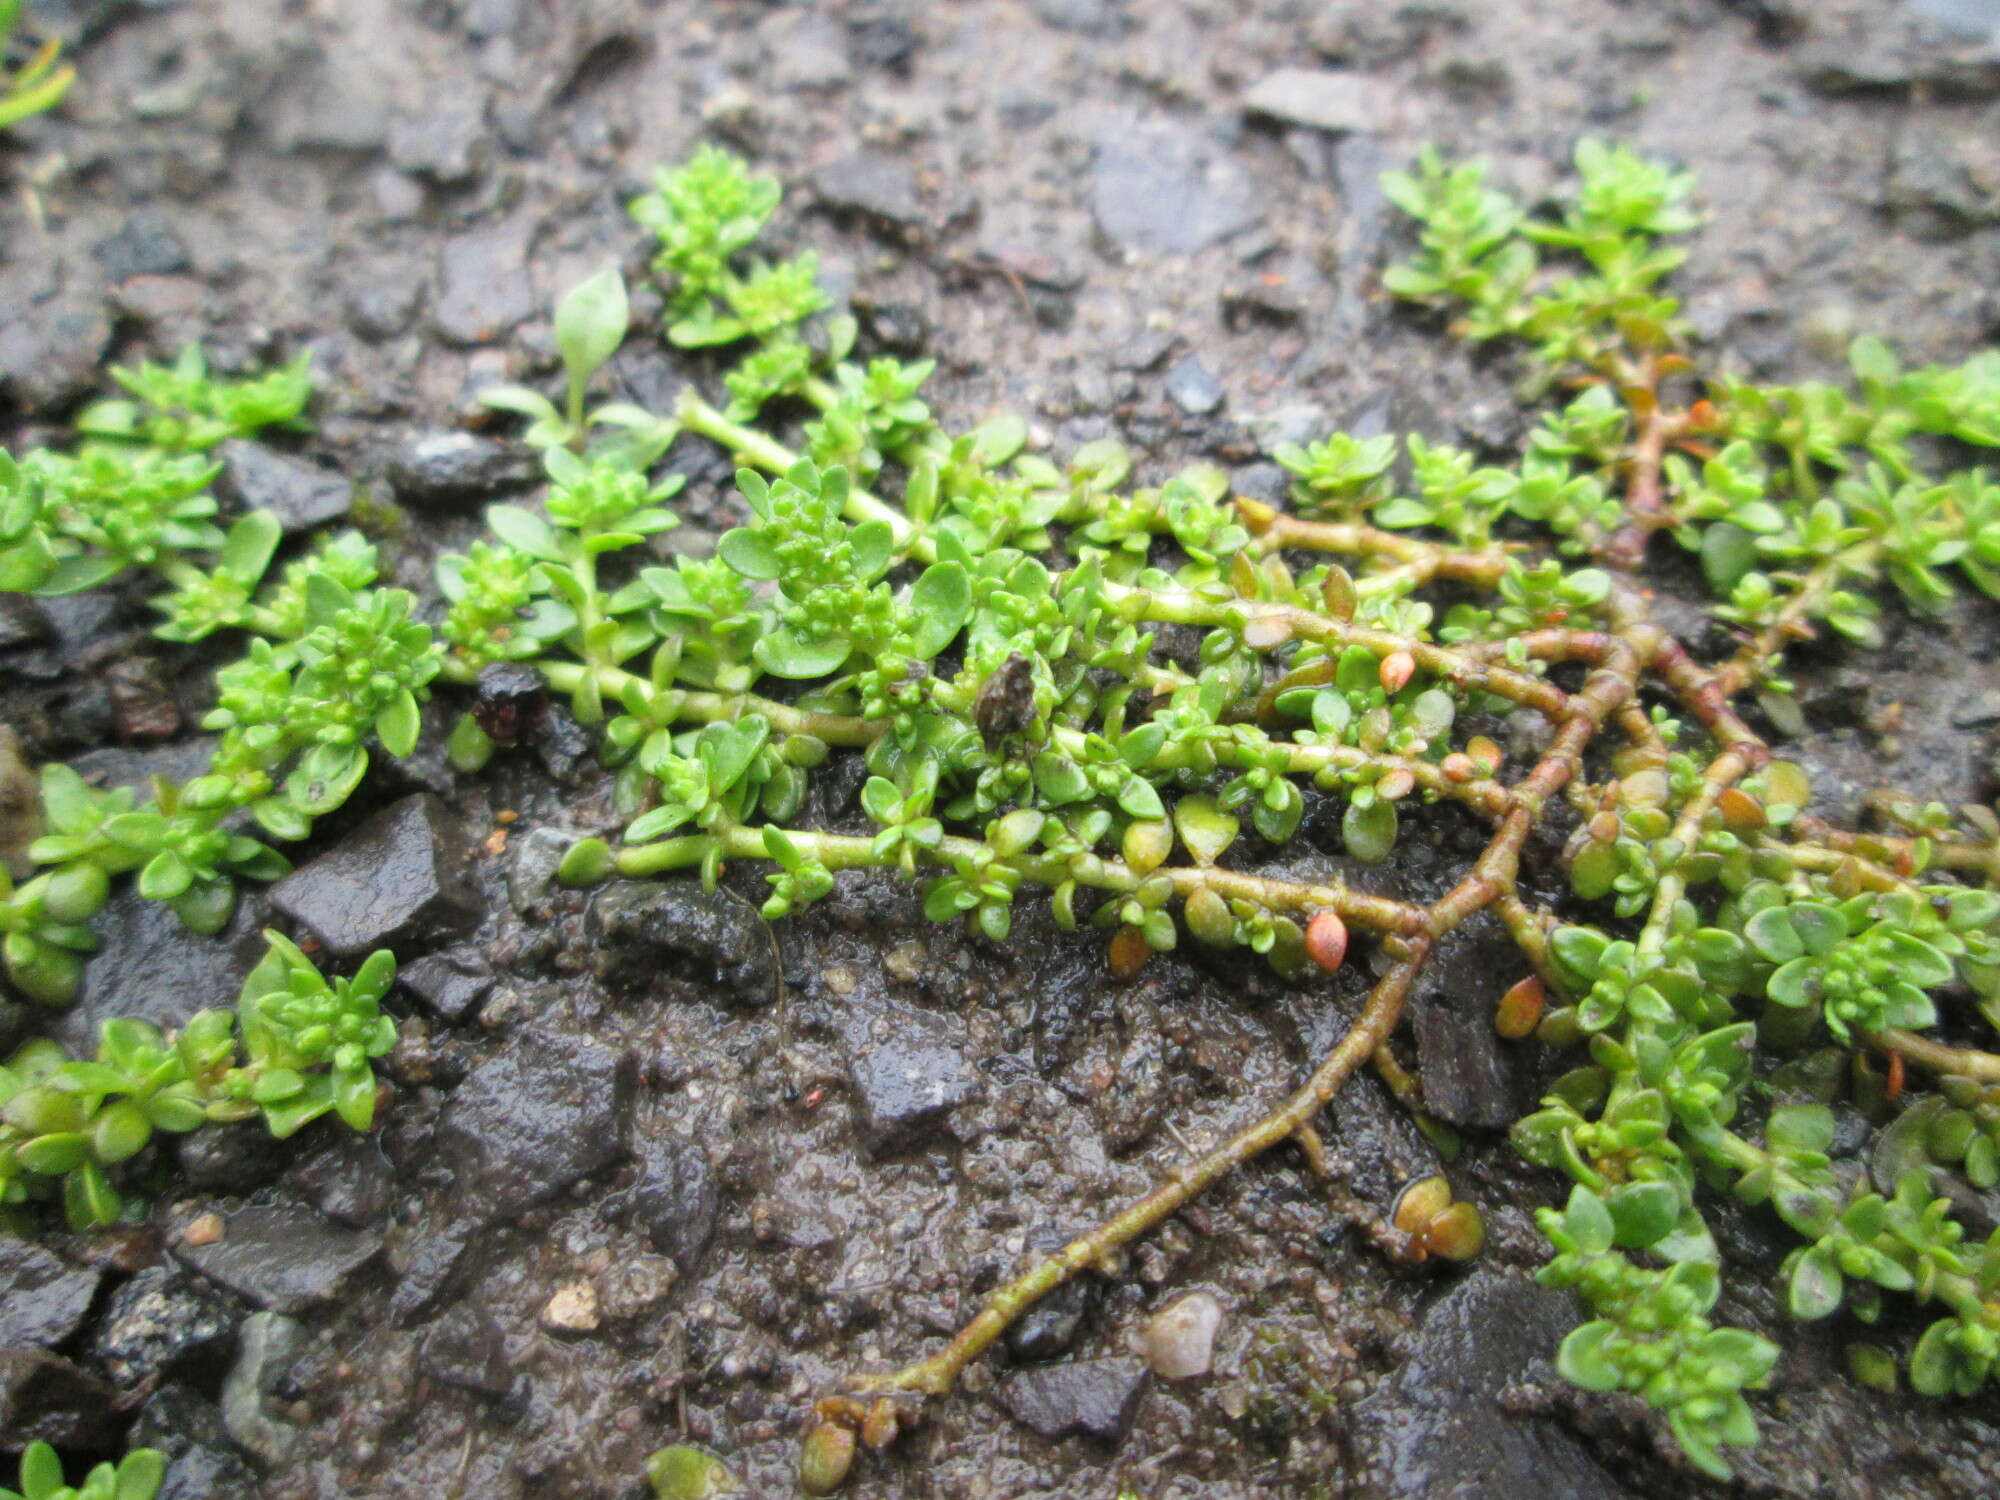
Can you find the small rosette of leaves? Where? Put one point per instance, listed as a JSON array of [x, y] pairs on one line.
[[186, 408], [705, 213], [308, 1041], [1651, 1335], [1865, 963], [136, 1476], [65, 1123]]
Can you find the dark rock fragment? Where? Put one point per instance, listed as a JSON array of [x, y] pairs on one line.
[[1470, 1078], [1437, 1426], [384, 305], [880, 42], [151, 968], [1976, 709], [50, 352], [451, 983], [284, 1258], [187, 1428], [676, 1198], [906, 1072], [444, 469], [1167, 190], [301, 495], [641, 929], [351, 1182], [1321, 99], [1268, 482], [396, 882], [445, 143], [45, 1398], [484, 290], [1144, 350], [161, 1321], [270, 1348], [429, 1266], [872, 183], [144, 245], [1465, 1077], [1943, 185], [465, 1348], [1098, 18], [1193, 388], [230, 1161], [509, 696], [42, 1297], [1092, 1398], [530, 1120], [22, 623]]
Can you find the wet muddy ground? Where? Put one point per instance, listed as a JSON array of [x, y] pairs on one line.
[[653, 1169]]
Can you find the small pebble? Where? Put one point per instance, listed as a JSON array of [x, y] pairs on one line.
[[573, 1309], [1180, 1339], [203, 1229]]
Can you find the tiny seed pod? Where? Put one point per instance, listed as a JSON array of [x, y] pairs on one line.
[[1603, 827], [883, 1422], [1740, 811], [687, 1473], [1520, 1009], [1128, 952], [1647, 788], [1263, 632], [1396, 785], [1456, 1234], [825, 1458], [1459, 767], [1337, 591], [1256, 515], [1419, 1203], [1398, 667], [1326, 939], [1485, 753], [1243, 575]]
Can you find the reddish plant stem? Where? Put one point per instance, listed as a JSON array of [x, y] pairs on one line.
[[1491, 877], [1645, 500]]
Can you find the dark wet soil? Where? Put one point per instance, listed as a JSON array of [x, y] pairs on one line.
[[618, 1200]]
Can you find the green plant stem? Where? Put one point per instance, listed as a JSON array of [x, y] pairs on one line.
[[1900, 852], [1491, 875], [767, 453], [843, 852], [1936, 1057], [936, 1375], [1417, 561], [1723, 772], [1285, 622], [1754, 659]]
